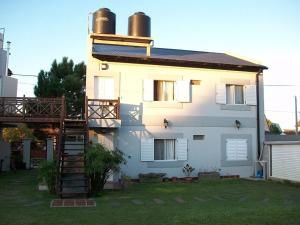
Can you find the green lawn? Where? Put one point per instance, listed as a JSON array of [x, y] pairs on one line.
[[220, 202]]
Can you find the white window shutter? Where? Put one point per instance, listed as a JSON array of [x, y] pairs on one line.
[[221, 94], [236, 149], [182, 90], [148, 90], [181, 149], [147, 149], [250, 94]]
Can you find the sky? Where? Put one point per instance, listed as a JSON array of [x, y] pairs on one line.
[[267, 32]]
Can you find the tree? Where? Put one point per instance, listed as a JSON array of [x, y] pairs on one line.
[[18, 133], [66, 79], [275, 128], [100, 164]]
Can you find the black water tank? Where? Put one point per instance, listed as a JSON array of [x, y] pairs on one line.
[[104, 21], [139, 24]]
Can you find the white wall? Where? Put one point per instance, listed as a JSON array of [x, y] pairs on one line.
[[201, 116]]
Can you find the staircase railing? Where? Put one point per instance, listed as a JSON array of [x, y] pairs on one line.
[[60, 142]]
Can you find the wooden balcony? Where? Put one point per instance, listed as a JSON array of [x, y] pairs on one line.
[[31, 110], [103, 113]]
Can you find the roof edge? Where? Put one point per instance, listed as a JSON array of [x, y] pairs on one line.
[[180, 63]]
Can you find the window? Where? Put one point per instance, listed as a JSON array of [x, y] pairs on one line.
[[198, 137], [236, 149], [163, 90], [164, 149], [234, 94]]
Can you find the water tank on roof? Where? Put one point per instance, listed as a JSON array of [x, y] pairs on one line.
[[104, 21], [139, 24]]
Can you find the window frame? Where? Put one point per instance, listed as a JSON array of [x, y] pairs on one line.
[[155, 88], [166, 160], [232, 88]]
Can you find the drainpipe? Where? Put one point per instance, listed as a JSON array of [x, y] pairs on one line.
[[257, 114]]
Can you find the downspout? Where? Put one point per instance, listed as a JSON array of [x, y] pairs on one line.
[[257, 114]]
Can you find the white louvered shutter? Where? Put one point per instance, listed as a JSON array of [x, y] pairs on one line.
[[221, 94], [236, 149], [182, 90], [181, 149], [147, 149], [148, 90], [104, 87], [250, 94]]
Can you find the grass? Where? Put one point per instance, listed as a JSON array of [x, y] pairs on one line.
[[219, 202]]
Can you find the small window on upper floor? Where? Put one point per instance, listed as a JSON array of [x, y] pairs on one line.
[[167, 90], [163, 90], [234, 94]]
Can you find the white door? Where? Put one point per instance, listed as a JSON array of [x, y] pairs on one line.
[[104, 88]]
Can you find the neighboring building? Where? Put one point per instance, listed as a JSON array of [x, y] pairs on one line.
[[8, 88], [281, 155], [176, 106], [8, 85]]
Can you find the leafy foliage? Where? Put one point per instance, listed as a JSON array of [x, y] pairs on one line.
[[18, 133], [275, 128], [100, 164], [187, 170], [66, 79], [47, 172]]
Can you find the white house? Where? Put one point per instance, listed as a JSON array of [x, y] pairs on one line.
[[8, 85], [167, 107]]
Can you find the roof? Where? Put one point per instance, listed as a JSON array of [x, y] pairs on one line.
[[176, 57], [277, 138]]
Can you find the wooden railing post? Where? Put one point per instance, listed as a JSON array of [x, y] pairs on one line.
[[23, 106], [118, 109], [86, 113]]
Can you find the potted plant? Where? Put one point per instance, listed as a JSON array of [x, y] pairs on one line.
[[187, 170]]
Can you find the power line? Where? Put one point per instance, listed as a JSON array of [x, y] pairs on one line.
[[281, 85], [26, 83], [279, 111], [24, 75]]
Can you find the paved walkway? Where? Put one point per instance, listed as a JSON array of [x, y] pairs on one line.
[[73, 203]]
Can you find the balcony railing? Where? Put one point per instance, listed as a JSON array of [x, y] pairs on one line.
[[31, 108], [103, 108]]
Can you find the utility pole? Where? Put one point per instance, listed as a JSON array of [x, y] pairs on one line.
[[296, 115]]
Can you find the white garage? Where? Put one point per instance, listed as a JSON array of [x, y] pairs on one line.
[[284, 159]]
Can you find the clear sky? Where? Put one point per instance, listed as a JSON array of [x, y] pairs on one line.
[[265, 30]]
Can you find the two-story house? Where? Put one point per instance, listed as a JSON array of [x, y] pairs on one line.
[[167, 107]]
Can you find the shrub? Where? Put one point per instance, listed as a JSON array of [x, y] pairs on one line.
[[47, 172], [100, 164]]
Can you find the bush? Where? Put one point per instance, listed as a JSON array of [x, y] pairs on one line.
[[47, 172], [100, 164]]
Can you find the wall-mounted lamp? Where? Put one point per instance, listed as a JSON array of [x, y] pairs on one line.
[[104, 66], [166, 123], [237, 124]]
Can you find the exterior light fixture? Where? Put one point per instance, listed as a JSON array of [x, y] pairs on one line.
[[237, 124], [166, 123], [104, 66]]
